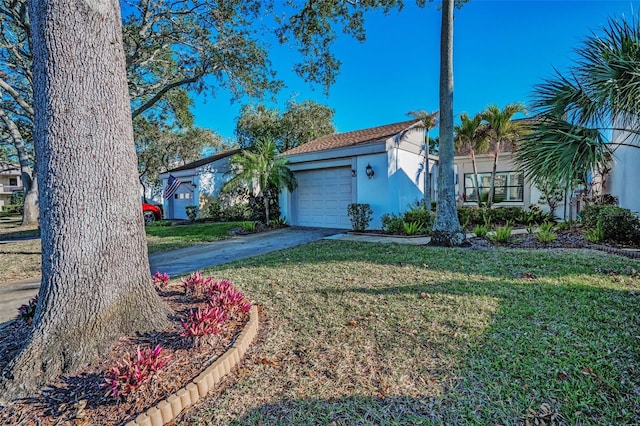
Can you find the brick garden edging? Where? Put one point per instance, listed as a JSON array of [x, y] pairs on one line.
[[174, 404]]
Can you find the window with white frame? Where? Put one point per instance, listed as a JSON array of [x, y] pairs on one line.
[[509, 186]]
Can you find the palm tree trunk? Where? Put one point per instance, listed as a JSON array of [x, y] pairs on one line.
[[427, 178], [475, 177], [446, 229], [493, 174], [266, 208]]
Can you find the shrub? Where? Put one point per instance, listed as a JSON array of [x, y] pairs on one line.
[[160, 281], [545, 234], [126, 376], [360, 215], [196, 285], [502, 234], [595, 235], [418, 215], [203, 322], [618, 225], [412, 228], [280, 222], [192, 212], [214, 210], [392, 223], [28, 311], [12, 210], [248, 226], [480, 231]]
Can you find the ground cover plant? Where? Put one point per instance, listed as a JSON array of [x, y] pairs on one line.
[[360, 333]]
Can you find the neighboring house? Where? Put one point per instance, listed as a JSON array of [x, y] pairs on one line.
[[10, 182], [623, 175], [331, 173], [201, 180]]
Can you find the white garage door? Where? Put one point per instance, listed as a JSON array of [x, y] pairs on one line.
[[323, 197]]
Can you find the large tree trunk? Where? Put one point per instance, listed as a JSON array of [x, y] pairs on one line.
[[29, 182], [95, 272], [493, 174], [446, 229]]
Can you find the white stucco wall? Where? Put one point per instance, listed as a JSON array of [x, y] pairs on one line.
[[625, 174], [373, 191]]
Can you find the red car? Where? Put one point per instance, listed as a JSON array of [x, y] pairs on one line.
[[151, 212]]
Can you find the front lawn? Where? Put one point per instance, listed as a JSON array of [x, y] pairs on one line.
[[163, 238], [358, 333], [21, 255]]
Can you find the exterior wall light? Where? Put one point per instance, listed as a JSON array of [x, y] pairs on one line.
[[369, 171]]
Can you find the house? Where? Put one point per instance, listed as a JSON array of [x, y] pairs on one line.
[[200, 181], [623, 174], [382, 166], [10, 182]]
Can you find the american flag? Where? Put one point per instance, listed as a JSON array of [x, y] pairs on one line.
[[172, 185]]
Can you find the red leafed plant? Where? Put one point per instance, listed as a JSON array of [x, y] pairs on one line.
[[126, 376], [160, 280], [231, 300], [28, 311], [196, 285], [204, 322]]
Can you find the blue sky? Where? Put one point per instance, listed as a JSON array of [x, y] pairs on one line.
[[501, 50]]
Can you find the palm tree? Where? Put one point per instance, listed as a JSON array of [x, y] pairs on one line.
[[471, 135], [260, 169], [599, 95], [429, 121], [502, 129], [446, 229]]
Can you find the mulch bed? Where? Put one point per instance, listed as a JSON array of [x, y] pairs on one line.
[[79, 399], [572, 238]]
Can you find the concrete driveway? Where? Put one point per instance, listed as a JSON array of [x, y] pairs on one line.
[[186, 260]]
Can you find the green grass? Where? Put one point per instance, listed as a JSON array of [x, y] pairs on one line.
[[163, 238], [358, 333]]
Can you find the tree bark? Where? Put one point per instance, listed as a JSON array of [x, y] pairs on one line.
[[95, 273], [446, 229], [475, 177], [493, 174]]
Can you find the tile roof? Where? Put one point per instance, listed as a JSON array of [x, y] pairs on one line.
[[206, 160], [341, 140]]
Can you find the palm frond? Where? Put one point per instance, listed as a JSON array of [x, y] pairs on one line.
[[559, 152]]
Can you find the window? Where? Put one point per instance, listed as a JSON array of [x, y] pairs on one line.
[[13, 181], [509, 186]]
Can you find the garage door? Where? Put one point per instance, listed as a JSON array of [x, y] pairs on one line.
[[323, 197]]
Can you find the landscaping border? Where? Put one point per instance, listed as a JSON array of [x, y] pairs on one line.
[[168, 409]]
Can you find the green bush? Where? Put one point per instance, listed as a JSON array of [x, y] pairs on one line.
[[502, 234], [214, 210], [248, 226], [617, 224], [12, 209], [419, 215], [392, 223], [595, 235], [480, 231], [192, 212], [412, 228], [546, 234], [360, 215]]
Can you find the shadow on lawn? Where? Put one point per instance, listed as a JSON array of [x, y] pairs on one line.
[[352, 410]]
